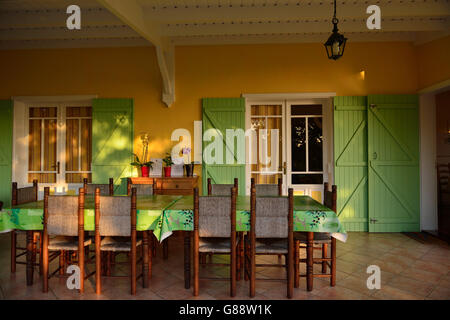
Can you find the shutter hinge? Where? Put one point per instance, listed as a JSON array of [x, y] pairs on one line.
[[373, 220]]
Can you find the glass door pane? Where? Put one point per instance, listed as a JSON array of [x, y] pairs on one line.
[[42, 144], [78, 144], [306, 145], [267, 121]]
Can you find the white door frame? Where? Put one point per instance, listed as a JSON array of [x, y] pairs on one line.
[[327, 131], [325, 98]]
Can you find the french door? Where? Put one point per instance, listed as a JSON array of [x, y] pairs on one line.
[[266, 161], [299, 154], [59, 144]]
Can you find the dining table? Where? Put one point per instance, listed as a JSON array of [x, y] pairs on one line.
[[164, 214]]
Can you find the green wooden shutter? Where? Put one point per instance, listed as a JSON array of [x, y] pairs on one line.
[[350, 154], [222, 114], [6, 131], [112, 141], [393, 152]]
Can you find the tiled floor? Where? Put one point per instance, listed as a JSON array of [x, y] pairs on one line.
[[410, 270]]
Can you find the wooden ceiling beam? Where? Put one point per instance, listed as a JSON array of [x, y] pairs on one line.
[[131, 13]]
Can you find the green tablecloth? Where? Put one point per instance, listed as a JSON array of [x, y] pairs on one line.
[[309, 215], [164, 214]]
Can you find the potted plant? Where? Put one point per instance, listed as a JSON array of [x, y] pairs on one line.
[[189, 167], [168, 162], [144, 164]]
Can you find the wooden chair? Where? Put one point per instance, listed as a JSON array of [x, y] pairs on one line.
[[318, 241], [264, 190], [22, 196], [141, 189], [222, 189], [215, 232], [271, 233], [116, 217], [225, 190], [147, 190], [268, 189], [105, 189], [64, 222]]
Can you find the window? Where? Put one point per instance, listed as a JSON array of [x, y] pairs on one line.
[[307, 144], [59, 143]]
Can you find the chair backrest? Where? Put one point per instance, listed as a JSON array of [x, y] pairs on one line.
[[222, 189], [330, 197], [63, 215], [141, 189], [115, 215], [105, 189], [264, 190], [215, 216], [271, 217], [24, 195]]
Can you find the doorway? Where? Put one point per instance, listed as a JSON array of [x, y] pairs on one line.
[[53, 144], [293, 141]]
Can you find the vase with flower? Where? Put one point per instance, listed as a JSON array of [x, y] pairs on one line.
[[189, 167], [143, 163]]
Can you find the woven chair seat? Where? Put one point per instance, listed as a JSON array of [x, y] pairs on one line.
[[66, 243], [271, 245], [319, 237], [215, 245], [117, 244]]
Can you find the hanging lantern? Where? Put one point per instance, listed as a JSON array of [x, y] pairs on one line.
[[335, 44]]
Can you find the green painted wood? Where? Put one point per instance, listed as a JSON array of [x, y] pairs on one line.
[[222, 114], [393, 153], [6, 132], [350, 154], [112, 141]]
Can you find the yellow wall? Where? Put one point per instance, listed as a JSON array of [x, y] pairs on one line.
[[433, 62], [205, 71]]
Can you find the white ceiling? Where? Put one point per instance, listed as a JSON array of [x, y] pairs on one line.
[[41, 23]]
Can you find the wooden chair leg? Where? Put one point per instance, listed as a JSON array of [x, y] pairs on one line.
[[45, 265], [62, 258], [233, 264], [98, 269], [252, 273], [324, 256], [246, 265], [333, 261], [309, 261], [40, 253], [240, 256], [202, 258], [81, 266], [108, 263], [196, 266], [13, 251], [296, 264], [290, 274], [133, 270]]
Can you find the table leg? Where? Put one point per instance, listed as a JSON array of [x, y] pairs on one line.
[[30, 262], [187, 259], [165, 245], [309, 261], [145, 258]]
